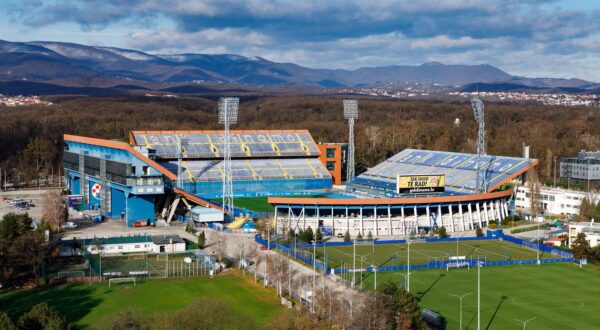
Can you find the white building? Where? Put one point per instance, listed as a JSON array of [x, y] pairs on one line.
[[584, 168], [133, 244], [553, 200], [590, 229]]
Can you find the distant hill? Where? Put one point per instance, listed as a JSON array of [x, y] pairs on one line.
[[75, 65]]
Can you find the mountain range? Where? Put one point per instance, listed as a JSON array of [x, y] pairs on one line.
[[41, 65]]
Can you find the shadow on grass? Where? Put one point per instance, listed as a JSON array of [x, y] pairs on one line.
[[502, 299], [422, 294], [73, 301]]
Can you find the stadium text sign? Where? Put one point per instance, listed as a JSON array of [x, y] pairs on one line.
[[420, 184]]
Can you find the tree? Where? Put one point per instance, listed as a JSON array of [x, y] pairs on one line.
[[291, 235], [370, 236], [42, 316], [220, 246], [359, 237], [442, 232], [581, 247], [318, 235], [31, 249], [6, 323], [308, 235], [533, 184], [479, 232], [12, 227], [54, 211], [347, 237], [201, 240], [404, 307]]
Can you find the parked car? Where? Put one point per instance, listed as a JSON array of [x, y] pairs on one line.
[[69, 225], [140, 223]]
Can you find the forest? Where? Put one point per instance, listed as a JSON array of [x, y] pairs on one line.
[[31, 136]]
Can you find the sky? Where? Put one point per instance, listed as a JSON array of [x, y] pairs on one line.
[[532, 38]]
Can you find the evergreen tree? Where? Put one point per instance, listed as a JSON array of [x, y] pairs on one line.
[[201, 240], [42, 316], [291, 235], [370, 236], [581, 247], [347, 237], [6, 323], [318, 235], [359, 237], [442, 232], [479, 232], [308, 235]]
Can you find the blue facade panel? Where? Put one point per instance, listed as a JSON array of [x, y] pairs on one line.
[[140, 208], [117, 202], [74, 183]]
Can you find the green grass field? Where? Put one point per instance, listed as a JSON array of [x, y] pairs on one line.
[[559, 296], [86, 305], [422, 253], [260, 204]]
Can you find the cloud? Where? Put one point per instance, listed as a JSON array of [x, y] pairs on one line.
[[521, 37]]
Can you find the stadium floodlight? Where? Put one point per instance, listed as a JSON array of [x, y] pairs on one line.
[[183, 143], [479, 112], [228, 114], [351, 114]]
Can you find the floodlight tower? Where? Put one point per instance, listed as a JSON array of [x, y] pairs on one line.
[[183, 142], [478, 111], [228, 113], [351, 114]]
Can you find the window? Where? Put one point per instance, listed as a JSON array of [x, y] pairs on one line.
[[330, 152], [331, 166], [146, 170], [132, 170], [137, 246], [120, 247]]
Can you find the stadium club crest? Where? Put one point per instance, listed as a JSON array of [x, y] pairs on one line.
[[97, 191]]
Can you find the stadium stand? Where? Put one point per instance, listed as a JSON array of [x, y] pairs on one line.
[[458, 168]]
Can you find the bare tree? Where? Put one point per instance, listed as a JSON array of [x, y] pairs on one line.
[[241, 255], [54, 212], [254, 256], [219, 245], [31, 249], [533, 184], [278, 271], [373, 134]]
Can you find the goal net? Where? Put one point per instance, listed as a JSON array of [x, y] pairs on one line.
[[120, 280]]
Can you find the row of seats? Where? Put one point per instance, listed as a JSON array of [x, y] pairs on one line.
[[250, 169]]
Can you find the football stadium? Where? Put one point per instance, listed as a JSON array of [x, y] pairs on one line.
[[165, 174]]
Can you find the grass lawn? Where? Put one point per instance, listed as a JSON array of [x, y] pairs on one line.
[[559, 296], [84, 305], [260, 204], [422, 253]]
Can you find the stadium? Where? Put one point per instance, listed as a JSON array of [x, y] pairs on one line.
[[173, 174]]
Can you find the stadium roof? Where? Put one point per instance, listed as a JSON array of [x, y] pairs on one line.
[[459, 170], [245, 143]]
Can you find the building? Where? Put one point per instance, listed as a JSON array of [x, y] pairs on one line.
[[553, 201], [584, 169], [590, 229], [135, 244], [139, 180], [333, 157], [377, 203]]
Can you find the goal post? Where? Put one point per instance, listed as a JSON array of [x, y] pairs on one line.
[[121, 280]]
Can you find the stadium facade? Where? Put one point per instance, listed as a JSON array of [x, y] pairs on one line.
[[139, 180], [379, 207]]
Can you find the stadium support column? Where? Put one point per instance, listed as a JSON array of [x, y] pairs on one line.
[[427, 212], [462, 217], [332, 222], [276, 222], [347, 220], [439, 215], [375, 226], [362, 222], [478, 215], [416, 215], [389, 211], [318, 216], [451, 218], [403, 219], [470, 210], [505, 206], [82, 185]]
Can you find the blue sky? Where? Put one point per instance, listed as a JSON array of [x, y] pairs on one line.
[[532, 38]]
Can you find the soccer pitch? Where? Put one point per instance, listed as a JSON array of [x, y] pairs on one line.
[[559, 296], [87, 305], [422, 253]]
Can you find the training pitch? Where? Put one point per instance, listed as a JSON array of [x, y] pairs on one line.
[[368, 254], [559, 296]]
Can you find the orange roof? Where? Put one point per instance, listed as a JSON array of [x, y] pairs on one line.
[[198, 200], [388, 201], [120, 146]]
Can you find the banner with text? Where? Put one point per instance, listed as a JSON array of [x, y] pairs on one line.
[[420, 184]]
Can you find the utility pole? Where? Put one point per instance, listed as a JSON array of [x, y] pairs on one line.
[[408, 268], [461, 300], [353, 263], [478, 294]]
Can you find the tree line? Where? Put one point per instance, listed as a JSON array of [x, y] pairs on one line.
[[31, 136]]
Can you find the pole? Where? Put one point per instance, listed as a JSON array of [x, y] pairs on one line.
[[408, 268], [353, 262], [537, 242], [461, 300], [375, 271], [478, 294]]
